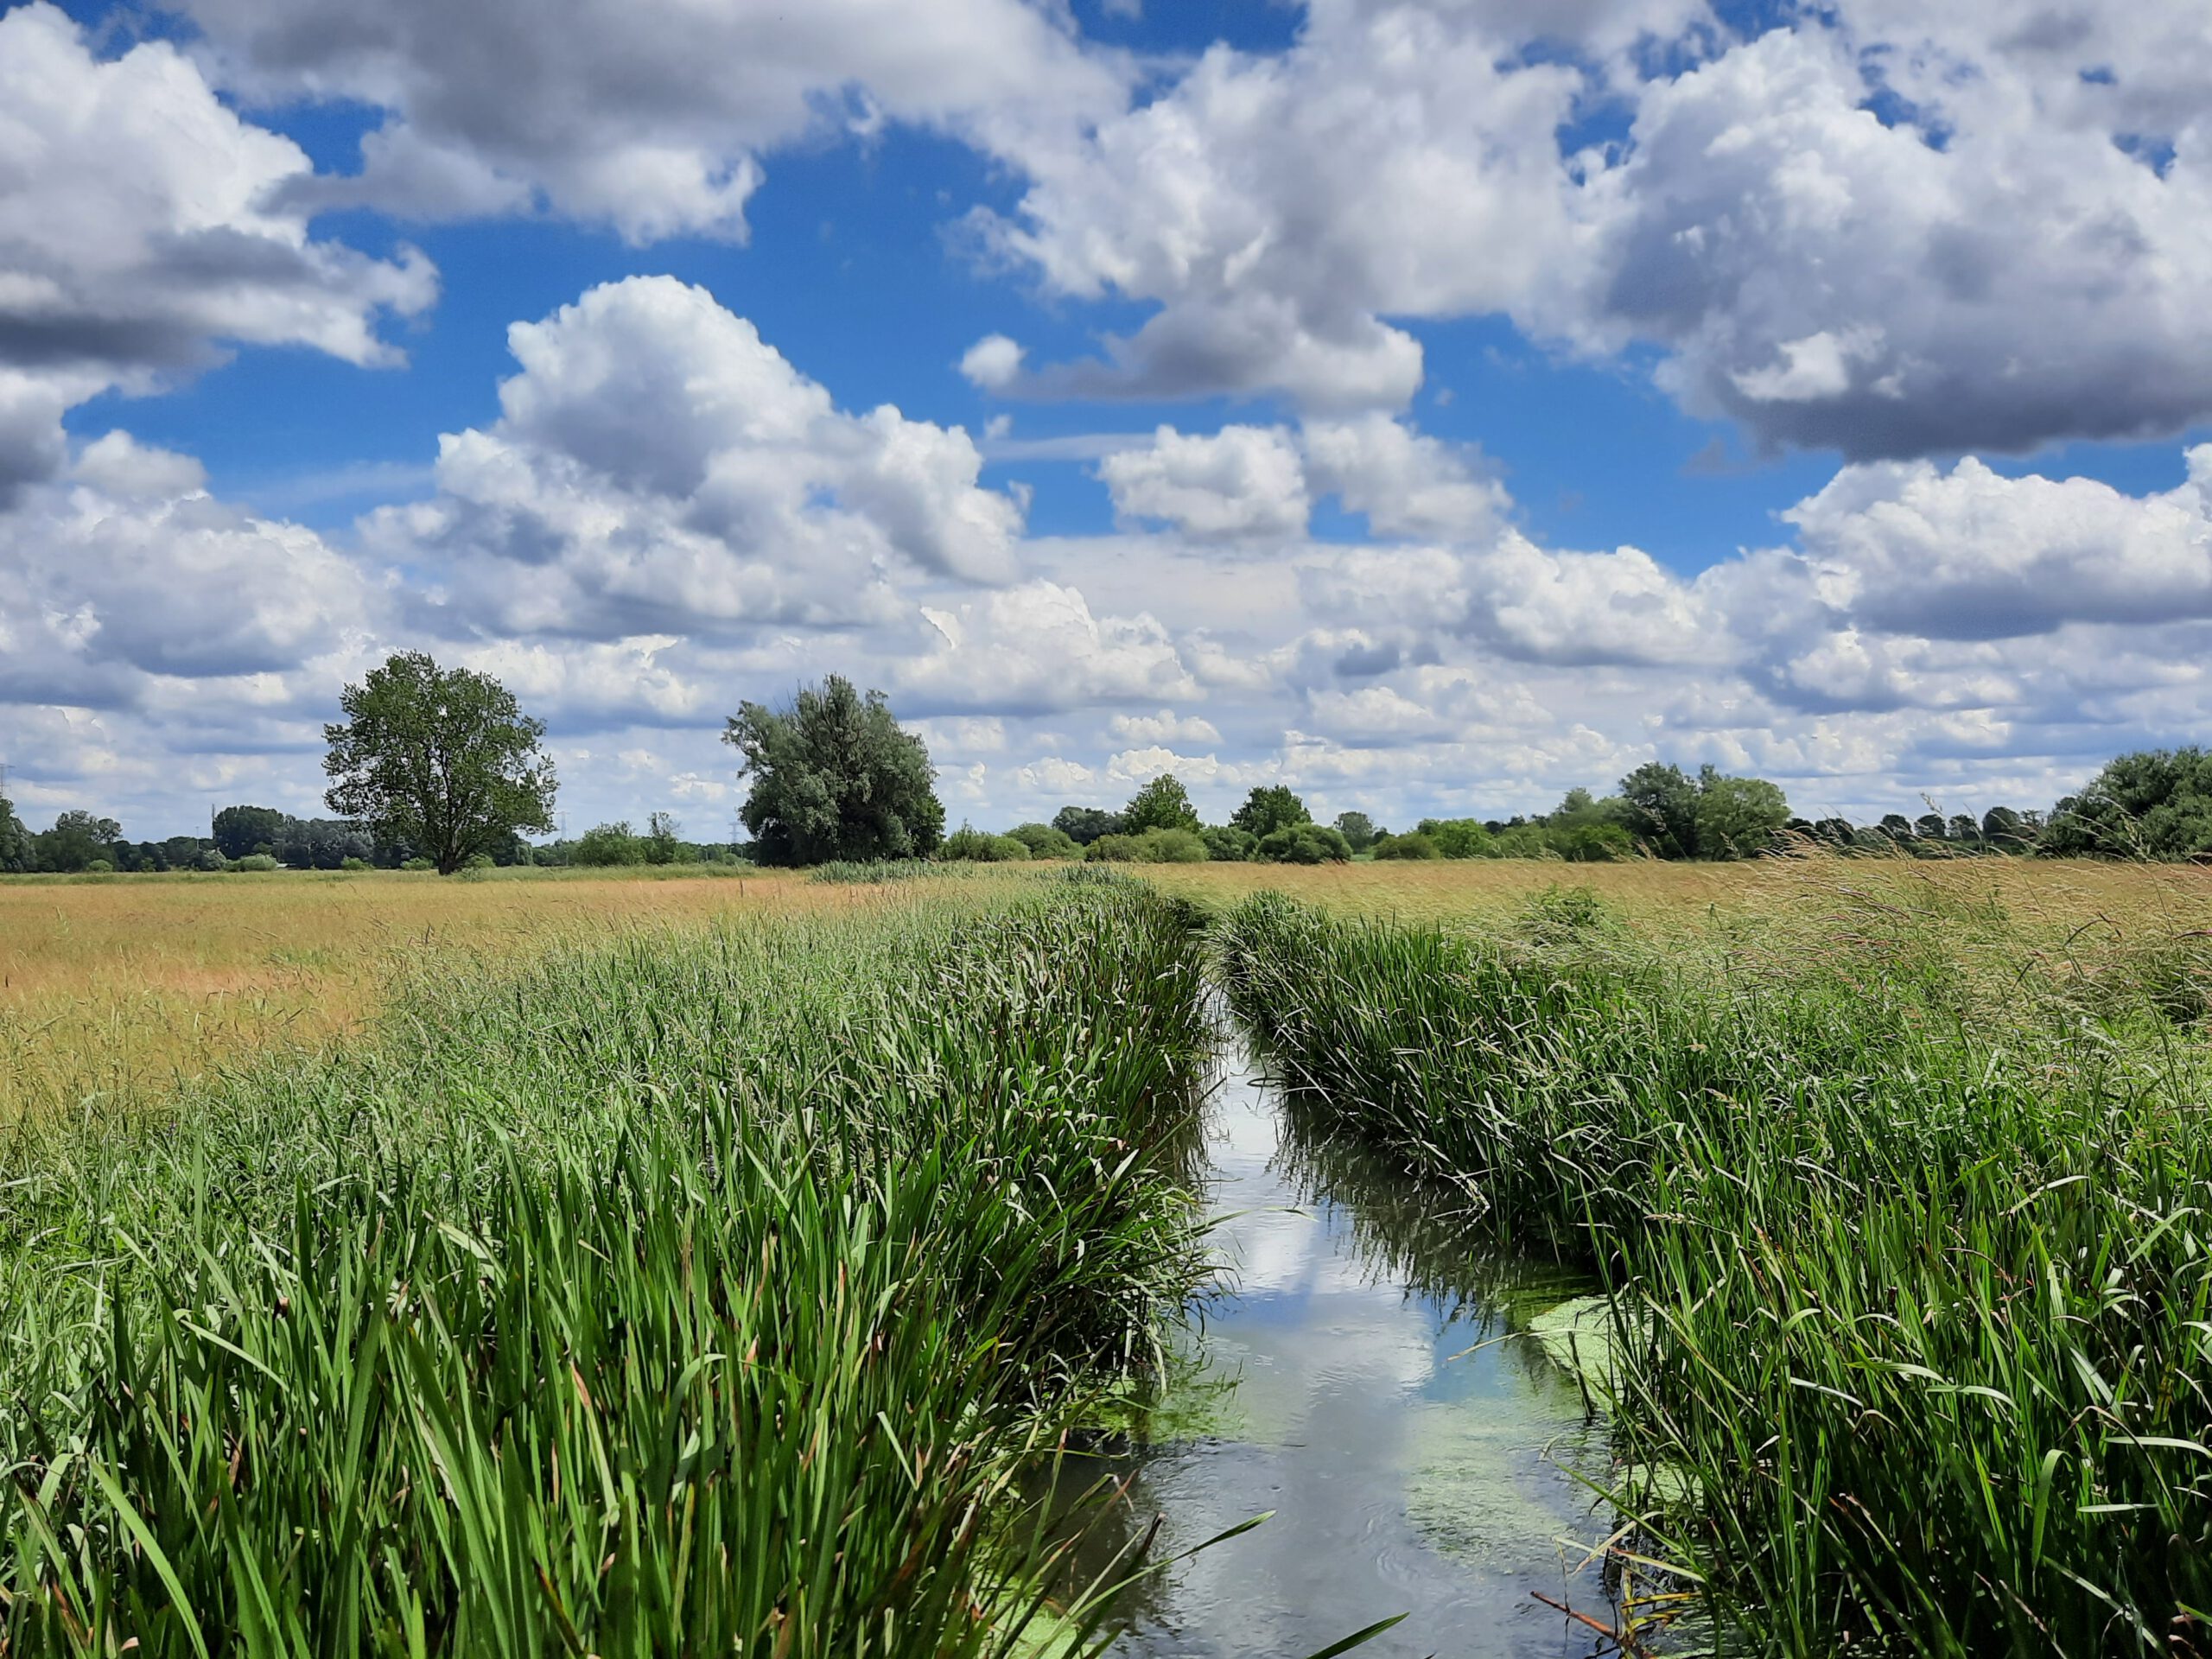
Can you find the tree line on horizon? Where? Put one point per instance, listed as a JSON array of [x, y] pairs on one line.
[[434, 768]]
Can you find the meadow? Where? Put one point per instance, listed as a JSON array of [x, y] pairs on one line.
[[611, 1263], [704, 1289]]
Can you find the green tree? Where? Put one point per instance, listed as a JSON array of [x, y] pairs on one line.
[[1738, 817], [441, 760], [1458, 837], [1163, 803], [2005, 830], [665, 840], [1266, 810], [1084, 824], [1228, 844], [77, 842], [1658, 806], [17, 851], [1360, 832], [2152, 803], [242, 830], [608, 845], [834, 777]]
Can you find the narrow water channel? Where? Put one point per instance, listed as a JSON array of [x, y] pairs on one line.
[[1348, 1376]]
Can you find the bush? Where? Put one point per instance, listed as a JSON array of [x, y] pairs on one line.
[[1413, 844], [1460, 837], [1043, 840], [417, 864], [1305, 843], [1153, 847], [608, 845], [99, 867], [256, 861], [1228, 843], [354, 864], [967, 845]]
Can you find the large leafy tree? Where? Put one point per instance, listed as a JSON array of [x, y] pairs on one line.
[[1659, 808], [1084, 824], [1163, 803], [2153, 803], [439, 760], [1360, 832], [17, 854], [77, 839], [1266, 810], [1738, 817], [240, 831], [834, 777]]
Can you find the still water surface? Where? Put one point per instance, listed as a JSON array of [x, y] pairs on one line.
[[1333, 1383]]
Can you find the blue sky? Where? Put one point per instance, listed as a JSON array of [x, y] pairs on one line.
[[1432, 405]]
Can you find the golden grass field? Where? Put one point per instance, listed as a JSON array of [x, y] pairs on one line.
[[113, 988]]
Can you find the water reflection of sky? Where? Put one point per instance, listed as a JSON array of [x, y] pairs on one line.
[[1406, 1474]]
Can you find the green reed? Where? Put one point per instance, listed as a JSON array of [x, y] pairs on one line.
[[693, 1294], [1918, 1293]]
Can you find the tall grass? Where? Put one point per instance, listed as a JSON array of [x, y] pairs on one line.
[[1916, 1287], [696, 1296]]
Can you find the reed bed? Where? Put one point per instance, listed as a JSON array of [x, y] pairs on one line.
[[694, 1294], [1903, 1207]]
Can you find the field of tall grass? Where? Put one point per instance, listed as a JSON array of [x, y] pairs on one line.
[[703, 1291], [1900, 1182]]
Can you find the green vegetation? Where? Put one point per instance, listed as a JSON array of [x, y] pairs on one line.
[[1903, 1221], [967, 845], [835, 777], [2153, 805], [439, 760], [697, 1294]]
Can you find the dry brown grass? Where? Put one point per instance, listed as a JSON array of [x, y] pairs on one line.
[[112, 989]]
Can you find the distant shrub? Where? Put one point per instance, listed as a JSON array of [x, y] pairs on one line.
[[1304, 843], [99, 867], [256, 861], [354, 864], [1412, 845], [1153, 847], [1228, 843], [609, 844], [967, 845], [418, 864], [1460, 837], [1043, 840]]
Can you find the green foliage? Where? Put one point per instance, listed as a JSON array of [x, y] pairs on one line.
[[1304, 843], [1228, 843], [441, 760], [1163, 803], [1084, 824], [1266, 810], [664, 841], [417, 864], [76, 841], [1459, 837], [1712, 816], [848, 873], [835, 777], [1913, 1306], [691, 1296], [18, 853], [257, 863], [2156, 803], [241, 829], [1045, 841], [1153, 847], [355, 866], [1415, 844], [1360, 832], [968, 845], [608, 845]]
